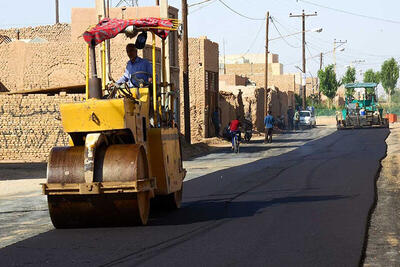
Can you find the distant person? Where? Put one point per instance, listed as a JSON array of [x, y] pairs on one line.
[[296, 119], [290, 115], [215, 118], [234, 129], [269, 125]]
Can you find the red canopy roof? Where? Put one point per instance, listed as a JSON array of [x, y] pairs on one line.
[[109, 28]]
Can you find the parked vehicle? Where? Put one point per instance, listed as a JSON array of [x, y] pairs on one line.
[[307, 118]]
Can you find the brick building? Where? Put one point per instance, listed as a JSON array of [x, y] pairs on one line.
[[203, 86]]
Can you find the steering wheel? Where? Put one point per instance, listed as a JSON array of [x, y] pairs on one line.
[[138, 81]]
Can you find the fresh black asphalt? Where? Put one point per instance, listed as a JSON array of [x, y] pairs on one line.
[[308, 207]]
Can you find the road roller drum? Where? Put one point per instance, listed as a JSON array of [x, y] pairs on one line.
[[113, 164]]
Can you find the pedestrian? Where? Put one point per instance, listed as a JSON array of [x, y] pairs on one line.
[[290, 115], [296, 119], [269, 125], [215, 118]]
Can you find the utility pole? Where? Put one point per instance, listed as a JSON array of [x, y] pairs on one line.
[[303, 16], [266, 62], [320, 61], [223, 42], [57, 13], [186, 100], [338, 43]]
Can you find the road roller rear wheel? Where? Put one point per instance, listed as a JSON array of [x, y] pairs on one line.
[[114, 163]]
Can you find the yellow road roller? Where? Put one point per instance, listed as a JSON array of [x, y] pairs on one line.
[[124, 142]]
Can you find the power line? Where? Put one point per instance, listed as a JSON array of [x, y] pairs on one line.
[[350, 13], [234, 11], [254, 41], [276, 28], [207, 3], [199, 3]]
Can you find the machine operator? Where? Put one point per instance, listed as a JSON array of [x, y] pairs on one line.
[[134, 65]]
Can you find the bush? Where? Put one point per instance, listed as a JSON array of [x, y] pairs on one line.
[[325, 112]]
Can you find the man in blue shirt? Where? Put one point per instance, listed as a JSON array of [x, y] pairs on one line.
[[136, 64], [269, 125]]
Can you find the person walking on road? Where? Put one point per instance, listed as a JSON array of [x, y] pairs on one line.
[[296, 119], [269, 125], [290, 115], [216, 121]]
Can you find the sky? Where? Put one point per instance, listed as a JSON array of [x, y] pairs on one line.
[[370, 41]]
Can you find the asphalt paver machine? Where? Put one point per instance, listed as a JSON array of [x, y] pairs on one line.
[[362, 111], [124, 144]]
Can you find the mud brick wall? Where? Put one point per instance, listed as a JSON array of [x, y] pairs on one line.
[[52, 33], [203, 56], [31, 66], [245, 102], [30, 126]]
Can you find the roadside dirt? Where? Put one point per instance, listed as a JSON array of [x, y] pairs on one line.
[[383, 248]]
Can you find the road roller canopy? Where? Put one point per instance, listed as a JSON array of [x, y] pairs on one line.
[[109, 28]]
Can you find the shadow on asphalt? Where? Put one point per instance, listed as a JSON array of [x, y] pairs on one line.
[[211, 210], [18, 171], [281, 141]]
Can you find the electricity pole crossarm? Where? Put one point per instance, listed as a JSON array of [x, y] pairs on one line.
[[303, 16]]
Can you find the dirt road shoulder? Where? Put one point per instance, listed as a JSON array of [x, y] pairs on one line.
[[383, 247]]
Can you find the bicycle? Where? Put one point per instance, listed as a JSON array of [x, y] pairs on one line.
[[236, 142]]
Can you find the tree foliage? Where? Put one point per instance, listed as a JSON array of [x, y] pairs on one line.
[[328, 83], [371, 77], [349, 77], [389, 75]]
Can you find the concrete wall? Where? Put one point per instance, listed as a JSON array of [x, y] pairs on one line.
[[30, 126]]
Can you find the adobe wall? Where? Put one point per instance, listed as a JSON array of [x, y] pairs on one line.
[[231, 80], [53, 33], [203, 56], [245, 102], [30, 126], [31, 66], [247, 69]]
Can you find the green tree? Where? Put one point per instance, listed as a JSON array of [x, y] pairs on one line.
[[371, 77], [327, 82], [389, 76], [349, 77]]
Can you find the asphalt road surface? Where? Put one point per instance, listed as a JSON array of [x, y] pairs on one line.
[[306, 207]]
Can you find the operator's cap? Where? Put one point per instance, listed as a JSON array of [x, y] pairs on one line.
[[141, 40]]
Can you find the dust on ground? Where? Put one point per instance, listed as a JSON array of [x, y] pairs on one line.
[[383, 248]]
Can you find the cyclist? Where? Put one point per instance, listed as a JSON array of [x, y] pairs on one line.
[[234, 129]]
